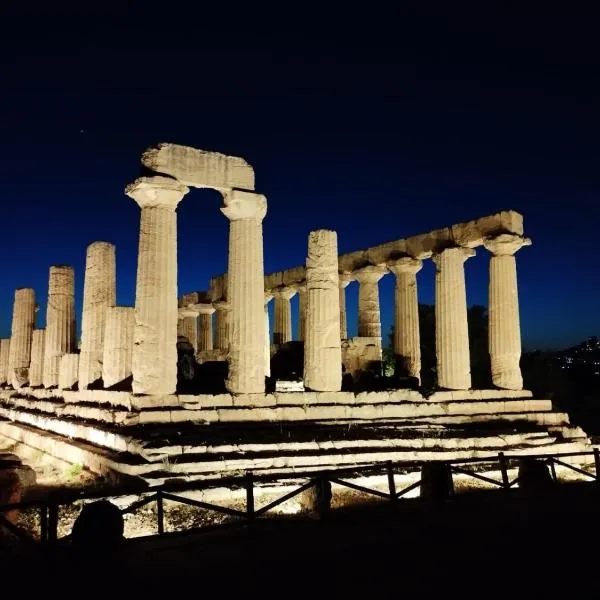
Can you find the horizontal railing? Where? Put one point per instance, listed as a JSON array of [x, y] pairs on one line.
[[49, 507]]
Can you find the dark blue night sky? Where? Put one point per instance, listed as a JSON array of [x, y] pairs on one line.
[[378, 126]]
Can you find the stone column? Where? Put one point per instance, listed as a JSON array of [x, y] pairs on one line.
[[407, 341], [118, 345], [36, 367], [369, 316], [504, 329], [154, 359], [322, 346], [282, 328], [23, 322], [68, 370], [205, 340], [451, 327], [245, 291], [222, 325], [344, 279], [268, 298], [4, 352], [60, 321], [99, 292], [187, 326], [301, 289]]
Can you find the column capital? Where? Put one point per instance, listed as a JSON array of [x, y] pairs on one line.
[[458, 252], [505, 244], [241, 204], [370, 273], [187, 311], [221, 305], [345, 278], [156, 191], [286, 292], [405, 264], [268, 296]]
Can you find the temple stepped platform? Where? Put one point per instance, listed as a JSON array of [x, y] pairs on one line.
[[160, 438]]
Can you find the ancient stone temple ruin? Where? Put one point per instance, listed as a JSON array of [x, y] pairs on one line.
[[204, 384]]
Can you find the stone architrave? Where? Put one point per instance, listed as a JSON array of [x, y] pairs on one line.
[[369, 315], [36, 367], [407, 341], [344, 279], [60, 321], [99, 293], [451, 326], [154, 359], [23, 322], [268, 298], [118, 345], [222, 311], [68, 371], [187, 326], [504, 328], [245, 291], [4, 353], [205, 326], [301, 288], [322, 346], [282, 328]]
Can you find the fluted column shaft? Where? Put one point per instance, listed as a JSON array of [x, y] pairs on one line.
[[118, 344], [36, 367], [504, 329], [407, 340], [322, 346], [154, 359], [222, 325], [451, 326], [344, 281], [23, 321], [369, 315], [68, 371], [99, 292], [302, 312], [245, 291], [282, 329], [60, 321], [4, 353], [205, 335], [187, 326]]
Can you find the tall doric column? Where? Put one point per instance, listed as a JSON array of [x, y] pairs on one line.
[[451, 326], [36, 367], [187, 326], [118, 344], [268, 298], [23, 321], [301, 311], [323, 346], [205, 336], [407, 341], [154, 360], [222, 325], [99, 292], [344, 280], [369, 316], [60, 321], [245, 291], [504, 329], [67, 371], [4, 352], [282, 329]]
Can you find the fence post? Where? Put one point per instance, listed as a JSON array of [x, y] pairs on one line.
[[250, 496], [552, 469], [597, 463], [503, 471], [43, 524], [52, 522], [160, 512], [391, 481]]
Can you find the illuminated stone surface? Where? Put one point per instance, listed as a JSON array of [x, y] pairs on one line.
[[118, 345], [301, 312], [36, 367], [187, 326], [344, 281], [322, 346], [68, 371], [99, 292], [369, 316], [23, 321], [222, 311], [282, 327], [60, 321], [267, 348], [4, 353], [205, 326]]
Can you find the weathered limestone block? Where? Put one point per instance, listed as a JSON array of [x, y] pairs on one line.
[[222, 325], [344, 281], [154, 359], [282, 328], [118, 345], [23, 321], [68, 371], [200, 168], [369, 316], [60, 321], [322, 347], [504, 327], [99, 292], [4, 353], [36, 367], [361, 354], [205, 327], [407, 340], [451, 331], [245, 291]]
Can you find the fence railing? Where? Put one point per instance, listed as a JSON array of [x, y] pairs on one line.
[[49, 507]]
